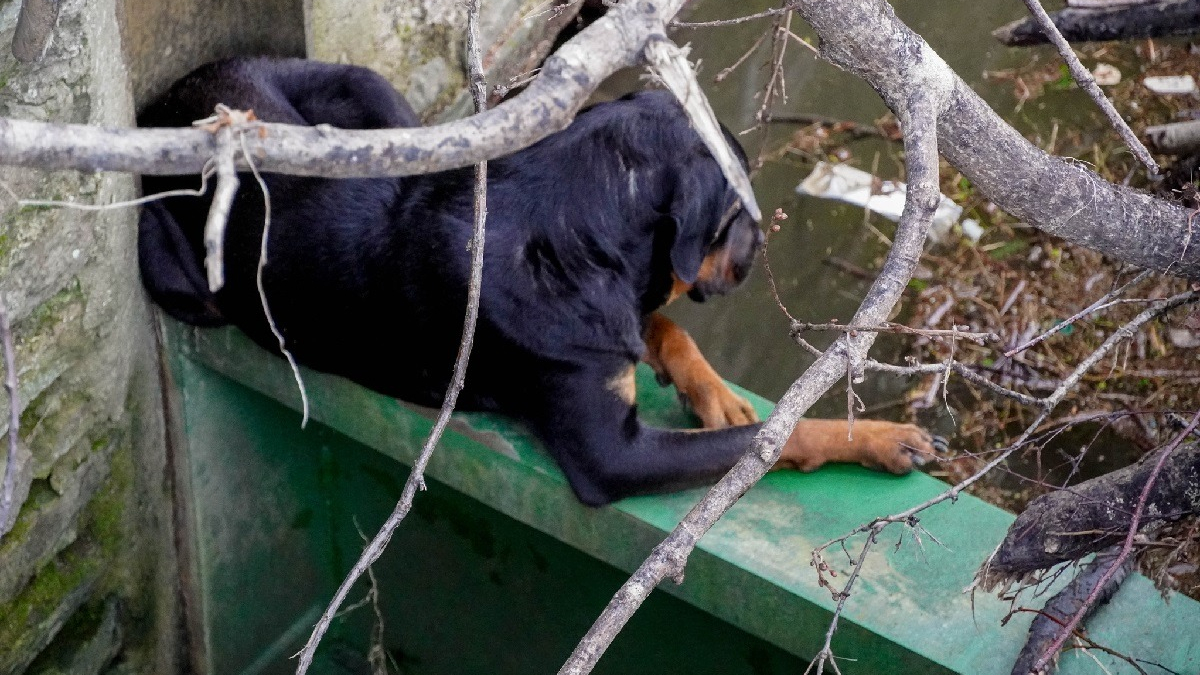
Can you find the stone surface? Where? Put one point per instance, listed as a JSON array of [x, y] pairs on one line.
[[48, 525], [97, 520], [165, 40], [420, 45], [92, 639]]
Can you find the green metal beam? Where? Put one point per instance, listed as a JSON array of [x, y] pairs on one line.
[[908, 613]]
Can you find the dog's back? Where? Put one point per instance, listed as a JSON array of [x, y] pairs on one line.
[[291, 91]]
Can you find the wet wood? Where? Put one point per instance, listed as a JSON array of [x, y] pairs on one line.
[[1128, 22]]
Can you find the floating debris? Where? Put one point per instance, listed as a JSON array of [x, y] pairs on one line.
[[1168, 85], [1106, 75], [885, 197], [972, 230]]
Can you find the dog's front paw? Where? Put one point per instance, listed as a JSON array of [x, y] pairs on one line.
[[716, 405], [893, 447]]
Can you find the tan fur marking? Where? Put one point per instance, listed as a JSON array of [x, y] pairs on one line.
[[673, 354], [886, 446], [707, 269], [624, 386]]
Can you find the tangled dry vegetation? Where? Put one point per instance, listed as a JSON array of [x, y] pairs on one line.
[[1019, 283]]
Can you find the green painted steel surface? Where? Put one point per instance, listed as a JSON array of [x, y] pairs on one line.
[[907, 615]]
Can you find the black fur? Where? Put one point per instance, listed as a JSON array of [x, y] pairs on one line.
[[367, 277]]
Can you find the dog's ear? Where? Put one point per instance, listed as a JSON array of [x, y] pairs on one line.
[[696, 213]]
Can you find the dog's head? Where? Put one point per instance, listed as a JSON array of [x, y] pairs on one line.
[[716, 239]]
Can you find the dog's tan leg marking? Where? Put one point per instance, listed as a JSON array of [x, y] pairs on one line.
[[886, 446], [624, 386], [673, 354]]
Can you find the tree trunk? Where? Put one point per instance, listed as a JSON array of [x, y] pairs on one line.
[[1073, 522]]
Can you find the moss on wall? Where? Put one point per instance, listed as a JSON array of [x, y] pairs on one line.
[[94, 532]]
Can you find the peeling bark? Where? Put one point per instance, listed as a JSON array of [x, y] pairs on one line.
[[1073, 522]]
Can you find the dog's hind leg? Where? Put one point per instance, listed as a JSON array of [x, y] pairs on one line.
[[170, 270]]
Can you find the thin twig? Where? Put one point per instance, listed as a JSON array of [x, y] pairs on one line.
[[958, 367], [854, 129], [826, 654], [921, 151], [1047, 404], [218, 212], [741, 19], [1158, 308], [1094, 307], [889, 327], [416, 478], [183, 192], [262, 291], [805, 43], [774, 226], [742, 59], [777, 84], [1126, 547], [7, 495], [1088, 84]]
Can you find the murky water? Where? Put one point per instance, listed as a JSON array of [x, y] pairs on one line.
[[745, 335]]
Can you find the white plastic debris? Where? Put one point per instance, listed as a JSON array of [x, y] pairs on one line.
[[1106, 74], [972, 230], [1170, 84], [848, 184], [1183, 338]]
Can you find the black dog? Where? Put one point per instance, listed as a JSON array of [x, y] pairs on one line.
[[589, 232]]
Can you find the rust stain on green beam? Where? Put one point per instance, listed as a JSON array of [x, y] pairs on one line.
[[908, 613]]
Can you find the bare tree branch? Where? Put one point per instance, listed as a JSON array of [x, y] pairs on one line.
[[218, 212], [550, 102], [1109, 21], [1060, 197], [1088, 83], [791, 6], [1106, 301], [1065, 603], [889, 327], [1126, 549], [864, 37], [416, 478], [259, 269], [1047, 404]]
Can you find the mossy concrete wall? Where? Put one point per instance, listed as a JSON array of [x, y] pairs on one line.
[[418, 44], [93, 566], [88, 579]]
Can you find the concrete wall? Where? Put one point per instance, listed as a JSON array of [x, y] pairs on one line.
[[419, 44], [88, 581]]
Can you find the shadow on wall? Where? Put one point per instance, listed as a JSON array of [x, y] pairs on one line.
[[165, 40]]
